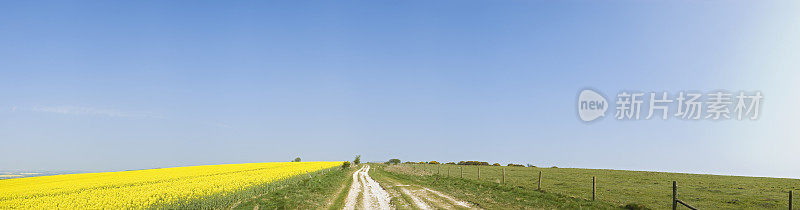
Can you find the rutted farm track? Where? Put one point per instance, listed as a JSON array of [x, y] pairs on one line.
[[366, 193]]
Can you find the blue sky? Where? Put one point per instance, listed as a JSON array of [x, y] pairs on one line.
[[103, 86]]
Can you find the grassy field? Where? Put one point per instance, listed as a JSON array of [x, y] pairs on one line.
[[484, 194], [324, 190], [652, 189]]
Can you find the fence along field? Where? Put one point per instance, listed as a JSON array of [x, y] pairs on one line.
[[211, 186], [652, 189]]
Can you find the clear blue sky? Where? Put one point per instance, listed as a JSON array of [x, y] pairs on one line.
[[103, 86]]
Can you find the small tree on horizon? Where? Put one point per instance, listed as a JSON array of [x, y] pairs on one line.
[[393, 161], [297, 159], [357, 160]]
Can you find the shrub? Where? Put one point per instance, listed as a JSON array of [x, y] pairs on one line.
[[554, 167], [635, 206], [496, 164], [433, 162], [346, 164], [472, 162], [451, 163], [393, 161], [515, 165], [296, 159]]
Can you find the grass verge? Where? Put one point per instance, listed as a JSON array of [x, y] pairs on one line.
[[314, 193], [341, 194]]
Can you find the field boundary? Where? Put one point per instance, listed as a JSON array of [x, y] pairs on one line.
[[498, 175]]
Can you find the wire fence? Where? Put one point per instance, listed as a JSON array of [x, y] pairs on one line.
[[436, 169]]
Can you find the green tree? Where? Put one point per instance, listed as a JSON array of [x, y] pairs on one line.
[[393, 161], [357, 160], [297, 159]]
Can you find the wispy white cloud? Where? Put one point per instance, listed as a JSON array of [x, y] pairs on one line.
[[219, 124], [74, 110]]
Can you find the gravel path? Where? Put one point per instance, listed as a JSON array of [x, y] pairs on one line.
[[366, 192]]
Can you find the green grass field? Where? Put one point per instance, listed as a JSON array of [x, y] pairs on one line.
[[324, 190], [485, 194], [652, 189]]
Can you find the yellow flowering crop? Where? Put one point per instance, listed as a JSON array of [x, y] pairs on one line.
[[181, 187]]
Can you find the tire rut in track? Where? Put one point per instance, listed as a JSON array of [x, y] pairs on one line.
[[366, 193]]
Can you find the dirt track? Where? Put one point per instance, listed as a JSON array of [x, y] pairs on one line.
[[366, 193]]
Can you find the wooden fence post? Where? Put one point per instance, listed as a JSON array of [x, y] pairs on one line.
[[479, 172], [540, 181], [674, 195], [462, 171], [593, 189], [790, 200]]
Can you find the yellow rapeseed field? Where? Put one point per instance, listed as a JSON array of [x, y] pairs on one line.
[[210, 186]]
